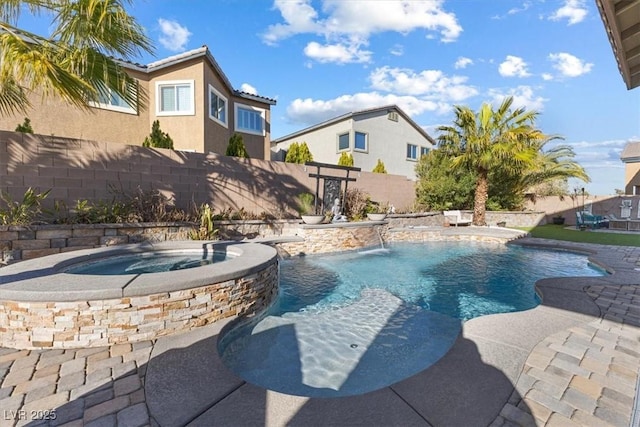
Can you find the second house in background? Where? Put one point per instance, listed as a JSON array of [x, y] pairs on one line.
[[385, 133]]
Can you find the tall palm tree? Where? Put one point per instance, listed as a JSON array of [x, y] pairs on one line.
[[499, 138], [76, 60]]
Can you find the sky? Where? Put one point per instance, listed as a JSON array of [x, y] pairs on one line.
[[323, 58]]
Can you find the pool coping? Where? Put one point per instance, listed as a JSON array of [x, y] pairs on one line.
[[44, 279]]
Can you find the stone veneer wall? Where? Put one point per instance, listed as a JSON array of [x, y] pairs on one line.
[[319, 239], [125, 320], [20, 243], [418, 235]]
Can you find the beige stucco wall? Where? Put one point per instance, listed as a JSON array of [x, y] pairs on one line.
[[54, 117], [187, 131], [632, 178]]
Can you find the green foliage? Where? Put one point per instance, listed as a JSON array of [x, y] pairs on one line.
[[137, 206], [440, 185], [379, 168], [559, 232], [25, 127], [157, 138], [305, 204], [76, 59], [21, 212], [236, 147], [346, 159], [206, 231], [503, 141], [298, 153]]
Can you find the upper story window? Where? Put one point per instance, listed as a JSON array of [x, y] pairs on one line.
[[424, 151], [250, 119], [112, 101], [175, 98], [412, 152], [343, 141], [217, 106], [361, 141]]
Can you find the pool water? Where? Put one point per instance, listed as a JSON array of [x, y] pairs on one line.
[[351, 323], [151, 262]]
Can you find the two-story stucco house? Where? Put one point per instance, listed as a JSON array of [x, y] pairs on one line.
[[385, 133], [188, 93]]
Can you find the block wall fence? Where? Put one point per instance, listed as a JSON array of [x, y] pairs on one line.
[[86, 170]]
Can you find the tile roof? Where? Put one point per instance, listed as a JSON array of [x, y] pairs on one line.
[[631, 152]]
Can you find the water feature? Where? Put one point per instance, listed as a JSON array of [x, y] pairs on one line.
[[351, 323]]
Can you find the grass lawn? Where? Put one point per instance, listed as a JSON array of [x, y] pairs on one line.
[[559, 232]]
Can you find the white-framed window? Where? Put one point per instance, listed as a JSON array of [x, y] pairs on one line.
[[361, 141], [217, 106], [412, 152], [175, 98], [424, 151], [114, 102], [250, 119], [343, 141]]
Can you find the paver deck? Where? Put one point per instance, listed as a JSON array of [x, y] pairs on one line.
[[573, 360]]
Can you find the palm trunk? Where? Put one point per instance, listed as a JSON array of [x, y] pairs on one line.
[[480, 199]]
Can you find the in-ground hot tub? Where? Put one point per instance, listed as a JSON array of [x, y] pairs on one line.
[[130, 293]]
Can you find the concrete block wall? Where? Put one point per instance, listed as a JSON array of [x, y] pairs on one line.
[[90, 170]]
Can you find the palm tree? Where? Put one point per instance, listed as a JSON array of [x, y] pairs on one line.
[[76, 60], [554, 164], [491, 139]]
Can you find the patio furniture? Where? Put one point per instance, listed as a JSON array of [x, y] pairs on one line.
[[585, 219], [458, 218]]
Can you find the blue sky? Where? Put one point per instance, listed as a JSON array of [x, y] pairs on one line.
[[320, 59]]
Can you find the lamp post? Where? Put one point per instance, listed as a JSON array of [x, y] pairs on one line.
[[582, 199]]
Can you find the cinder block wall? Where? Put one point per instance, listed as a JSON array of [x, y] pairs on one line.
[[79, 169]]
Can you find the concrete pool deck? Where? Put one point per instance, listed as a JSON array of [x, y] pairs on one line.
[[573, 360]]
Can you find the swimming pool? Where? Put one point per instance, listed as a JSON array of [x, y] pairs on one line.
[[347, 324]]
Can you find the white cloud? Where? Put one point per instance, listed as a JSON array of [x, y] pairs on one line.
[[246, 87], [351, 23], [513, 66], [547, 76], [462, 62], [523, 96], [573, 10], [431, 83], [525, 6], [174, 36], [311, 111], [569, 65], [397, 50], [338, 53]]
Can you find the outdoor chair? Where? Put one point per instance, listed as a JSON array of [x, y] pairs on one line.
[[458, 218], [585, 219]]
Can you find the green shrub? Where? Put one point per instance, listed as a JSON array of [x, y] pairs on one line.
[[379, 168], [22, 212], [236, 147], [25, 127], [346, 159], [305, 204], [298, 153], [206, 231], [157, 138]]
